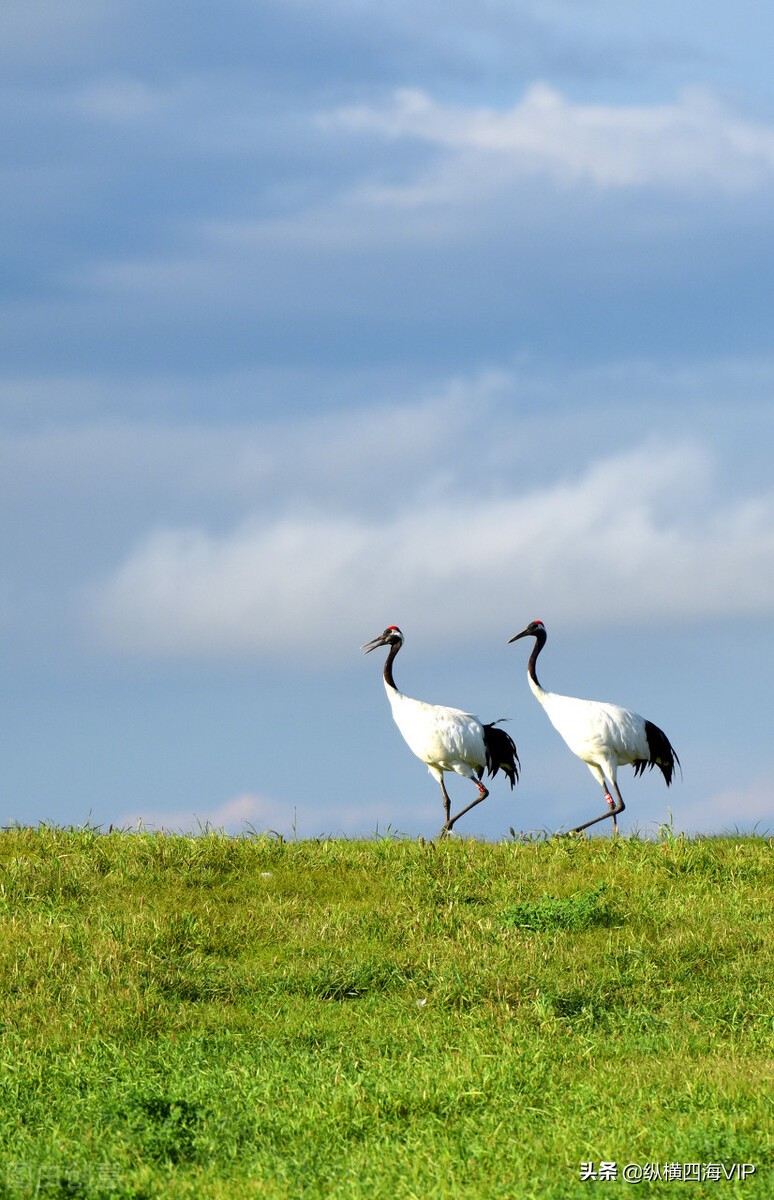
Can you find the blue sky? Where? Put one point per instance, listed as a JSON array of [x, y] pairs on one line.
[[323, 316]]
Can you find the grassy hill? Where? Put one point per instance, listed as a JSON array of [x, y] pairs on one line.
[[218, 1017]]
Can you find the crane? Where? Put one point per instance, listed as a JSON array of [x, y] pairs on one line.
[[604, 736], [446, 739]]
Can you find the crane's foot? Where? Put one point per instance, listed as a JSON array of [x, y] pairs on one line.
[[616, 809], [451, 821]]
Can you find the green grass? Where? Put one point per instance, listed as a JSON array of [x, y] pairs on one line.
[[236, 1017]]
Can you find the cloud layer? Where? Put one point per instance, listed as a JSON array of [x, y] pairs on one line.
[[236, 815], [695, 142], [637, 537]]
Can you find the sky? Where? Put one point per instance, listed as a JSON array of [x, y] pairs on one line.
[[318, 316]]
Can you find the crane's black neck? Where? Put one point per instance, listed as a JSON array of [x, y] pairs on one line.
[[388, 676], [540, 641]]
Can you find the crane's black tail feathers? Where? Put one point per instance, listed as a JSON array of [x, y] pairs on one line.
[[662, 754], [501, 752]]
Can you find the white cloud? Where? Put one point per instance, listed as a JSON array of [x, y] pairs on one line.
[[637, 537], [746, 807], [246, 811], [693, 142], [479, 173], [340, 453], [249, 812]]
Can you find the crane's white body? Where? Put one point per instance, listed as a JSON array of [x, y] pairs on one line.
[[604, 736], [446, 739]]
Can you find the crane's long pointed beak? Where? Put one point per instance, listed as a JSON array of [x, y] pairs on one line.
[[367, 647], [516, 636]]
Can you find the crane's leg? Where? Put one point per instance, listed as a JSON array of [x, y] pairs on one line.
[[446, 804], [615, 809], [451, 821]]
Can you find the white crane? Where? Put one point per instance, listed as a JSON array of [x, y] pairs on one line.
[[447, 739], [605, 736]]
